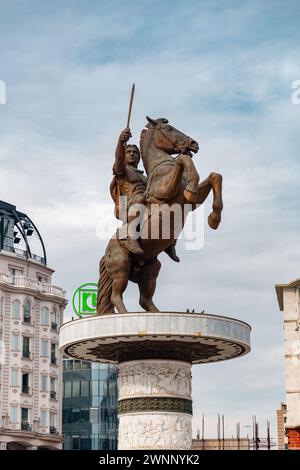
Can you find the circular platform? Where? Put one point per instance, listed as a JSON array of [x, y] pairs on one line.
[[192, 337]]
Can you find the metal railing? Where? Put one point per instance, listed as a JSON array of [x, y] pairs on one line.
[[26, 354], [25, 389], [53, 326], [25, 426], [24, 253], [53, 395], [26, 282], [53, 430]]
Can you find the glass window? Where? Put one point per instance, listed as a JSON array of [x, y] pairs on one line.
[[103, 372], [96, 401], [95, 442], [26, 346], [66, 415], [26, 311], [52, 419], [76, 389], [85, 389], [44, 382], [14, 378], [85, 415], [53, 353], [111, 388], [112, 374], [15, 272], [13, 413], [95, 388], [85, 365], [104, 443], [85, 443], [24, 414], [52, 384], [95, 372], [44, 347], [25, 383], [16, 309], [111, 444], [53, 318], [43, 420], [45, 316], [68, 364], [75, 442], [68, 389], [15, 342], [75, 415], [94, 415]]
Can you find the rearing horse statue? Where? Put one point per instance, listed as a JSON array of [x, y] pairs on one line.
[[171, 181]]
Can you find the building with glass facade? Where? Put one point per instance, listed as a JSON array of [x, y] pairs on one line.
[[89, 406]]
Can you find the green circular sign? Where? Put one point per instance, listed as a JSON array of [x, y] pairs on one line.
[[85, 300]]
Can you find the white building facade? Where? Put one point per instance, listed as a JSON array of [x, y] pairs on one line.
[[289, 303], [31, 312]]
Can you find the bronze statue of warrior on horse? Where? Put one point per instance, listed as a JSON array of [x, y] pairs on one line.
[[132, 253]]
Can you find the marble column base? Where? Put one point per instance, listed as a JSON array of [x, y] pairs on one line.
[[155, 405], [155, 431]]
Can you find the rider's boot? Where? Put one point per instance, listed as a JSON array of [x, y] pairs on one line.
[[132, 245], [171, 251]]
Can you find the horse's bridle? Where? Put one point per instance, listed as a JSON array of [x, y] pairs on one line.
[[183, 148]]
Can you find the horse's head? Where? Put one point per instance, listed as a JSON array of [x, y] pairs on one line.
[[169, 139]]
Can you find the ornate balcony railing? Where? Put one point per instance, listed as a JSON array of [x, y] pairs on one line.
[[25, 426], [53, 430], [26, 282]]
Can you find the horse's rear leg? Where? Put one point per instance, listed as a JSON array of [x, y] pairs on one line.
[[118, 264], [147, 285], [119, 285]]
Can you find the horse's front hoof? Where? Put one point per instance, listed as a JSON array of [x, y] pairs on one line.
[[214, 221], [190, 196]]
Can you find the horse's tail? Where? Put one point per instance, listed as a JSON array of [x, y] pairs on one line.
[[104, 304]]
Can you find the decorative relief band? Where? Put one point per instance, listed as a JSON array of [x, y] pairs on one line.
[[169, 404], [154, 378], [147, 349], [155, 431]]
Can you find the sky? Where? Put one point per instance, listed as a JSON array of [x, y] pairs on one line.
[[220, 71]]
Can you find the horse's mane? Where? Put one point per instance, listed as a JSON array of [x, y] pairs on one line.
[[142, 140], [149, 127]]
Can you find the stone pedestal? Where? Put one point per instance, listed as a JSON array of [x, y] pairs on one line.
[[155, 405], [154, 353]]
